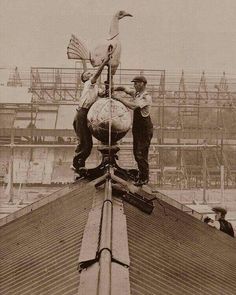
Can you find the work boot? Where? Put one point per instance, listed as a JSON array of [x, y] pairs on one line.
[[141, 182], [77, 164], [76, 170]]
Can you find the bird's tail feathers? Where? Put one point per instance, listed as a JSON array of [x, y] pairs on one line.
[[77, 49]]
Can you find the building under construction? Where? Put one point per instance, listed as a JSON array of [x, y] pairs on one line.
[[194, 135]]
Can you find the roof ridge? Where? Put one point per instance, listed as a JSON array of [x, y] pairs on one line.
[[105, 235]]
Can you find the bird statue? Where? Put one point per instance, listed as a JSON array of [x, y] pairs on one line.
[[78, 50]]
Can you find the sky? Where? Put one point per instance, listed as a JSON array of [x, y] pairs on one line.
[[193, 35]]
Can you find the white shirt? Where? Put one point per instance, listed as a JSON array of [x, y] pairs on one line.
[[144, 101], [89, 94], [214, 223]]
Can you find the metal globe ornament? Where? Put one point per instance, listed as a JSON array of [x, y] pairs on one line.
[[99, 115]]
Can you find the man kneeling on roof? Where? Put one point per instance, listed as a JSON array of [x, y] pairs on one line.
[[220, 222]]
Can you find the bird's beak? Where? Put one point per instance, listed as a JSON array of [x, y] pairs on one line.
[[128, 14]]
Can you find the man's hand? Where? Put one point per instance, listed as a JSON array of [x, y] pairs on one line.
[[106, 60], [119, 88], [207, 219], [104, 63], [109, 54]]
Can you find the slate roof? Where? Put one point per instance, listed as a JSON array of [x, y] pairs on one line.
[[39, 251], [173, 253], [170, 251]]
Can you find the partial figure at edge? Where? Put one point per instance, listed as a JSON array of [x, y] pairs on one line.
[[220, 222]]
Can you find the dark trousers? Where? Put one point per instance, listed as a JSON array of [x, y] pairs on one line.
[[85, 142], [141, 143], [226, 227]]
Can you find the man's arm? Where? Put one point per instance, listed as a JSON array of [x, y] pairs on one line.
[[145, 102], [214, 223], [129, 104], [99, 70], [126, 90]]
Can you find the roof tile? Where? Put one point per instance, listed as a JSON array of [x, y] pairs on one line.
[[39, 251], [173, 253]]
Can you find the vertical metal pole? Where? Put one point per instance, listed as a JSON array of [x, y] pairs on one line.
[[159, 149], [222, 174], [162, 122], [198, 123], [222, 177], [179, 150], [204, 175], [31, 121], [11, 162], [198, 119], [110, 107], [218, 109]]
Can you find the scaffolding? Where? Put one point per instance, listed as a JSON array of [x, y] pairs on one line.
[[15, 79], [194, 123], [64, 84]]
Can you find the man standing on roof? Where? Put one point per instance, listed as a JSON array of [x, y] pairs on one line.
[[220, 222], [142, 125], [88, 97]]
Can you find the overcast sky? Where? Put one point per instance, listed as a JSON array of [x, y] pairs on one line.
[[194, 35]]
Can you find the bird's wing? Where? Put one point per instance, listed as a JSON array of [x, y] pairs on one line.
[[77, 49]]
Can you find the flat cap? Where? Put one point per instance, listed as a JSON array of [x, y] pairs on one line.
[[139, 79], [219, 209]]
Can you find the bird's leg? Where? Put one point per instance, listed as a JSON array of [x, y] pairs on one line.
[[109, 82]]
